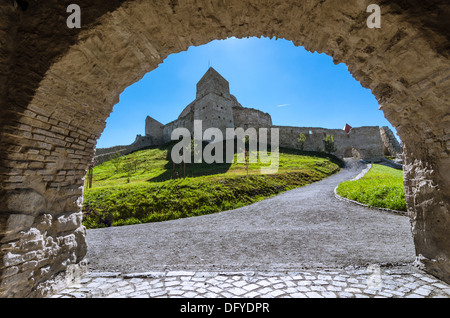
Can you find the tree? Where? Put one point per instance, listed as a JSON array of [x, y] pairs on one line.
[[129, 167], [246, 154], [90, 173], [135, 162], [187, 149], [328, 142], [196, 147], [116, 160], [301, 141]]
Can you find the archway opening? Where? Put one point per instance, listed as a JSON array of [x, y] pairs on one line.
[[289, 108], [70, 80], [352, 153], [296, 87]]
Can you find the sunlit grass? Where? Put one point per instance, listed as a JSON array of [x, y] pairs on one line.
[[150, 193], [381, 187]]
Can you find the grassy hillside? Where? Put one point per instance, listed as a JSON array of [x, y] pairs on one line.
[[381, 187], [146, 186]]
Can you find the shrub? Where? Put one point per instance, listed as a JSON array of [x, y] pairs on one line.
[[301, 141], [328, 143]]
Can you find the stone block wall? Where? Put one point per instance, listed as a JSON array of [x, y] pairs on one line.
[[183, 122], [391, 146], [214, 111], [41, 232], [249, 117], [154, 128], [104, 154], [366, 140]]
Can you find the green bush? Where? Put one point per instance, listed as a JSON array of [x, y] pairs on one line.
[[301, 141], [328, 143]]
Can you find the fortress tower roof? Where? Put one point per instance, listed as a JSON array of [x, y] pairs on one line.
[[212, 82]]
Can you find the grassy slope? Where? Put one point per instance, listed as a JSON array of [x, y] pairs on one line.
[[152, 195], [381, 187]]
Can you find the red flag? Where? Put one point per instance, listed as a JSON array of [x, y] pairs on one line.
[[347, 128]]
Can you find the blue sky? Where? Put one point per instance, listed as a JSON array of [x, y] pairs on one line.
[[296, 87]]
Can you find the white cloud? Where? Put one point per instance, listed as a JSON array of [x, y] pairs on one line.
[[284, 105]]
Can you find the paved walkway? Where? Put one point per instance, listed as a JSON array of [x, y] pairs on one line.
[[302, 243], [397, 282]]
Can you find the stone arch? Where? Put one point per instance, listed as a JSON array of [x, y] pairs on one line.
[[351, 152], [58, 86]]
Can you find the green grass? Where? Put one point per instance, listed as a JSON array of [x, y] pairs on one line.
[[150, 193], [381, 187]]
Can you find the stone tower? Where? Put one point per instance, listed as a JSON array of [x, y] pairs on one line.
[[214, 103], [213, 82]]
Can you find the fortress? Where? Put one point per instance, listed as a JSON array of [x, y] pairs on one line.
[[218, 108]]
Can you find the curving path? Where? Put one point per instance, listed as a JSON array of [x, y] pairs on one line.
[[303, 228]]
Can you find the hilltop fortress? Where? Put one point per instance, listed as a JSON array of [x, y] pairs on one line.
[[218, 108]]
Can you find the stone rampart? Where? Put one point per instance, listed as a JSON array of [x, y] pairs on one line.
[[366, 140]]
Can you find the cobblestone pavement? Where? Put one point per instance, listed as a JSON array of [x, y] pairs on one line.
[[368, 282]]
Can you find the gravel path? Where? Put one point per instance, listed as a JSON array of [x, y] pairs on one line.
[[303, 228]]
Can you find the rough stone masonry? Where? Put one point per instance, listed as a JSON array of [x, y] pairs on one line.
[[58, 86]]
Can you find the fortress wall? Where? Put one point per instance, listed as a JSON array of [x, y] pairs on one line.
[[314, 137], [154, 128], [187, 109], [215, 111], [366, 140], [104, 154], [183, 122], [391, 146], [236, 102], [102, 151], [249, 117]]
